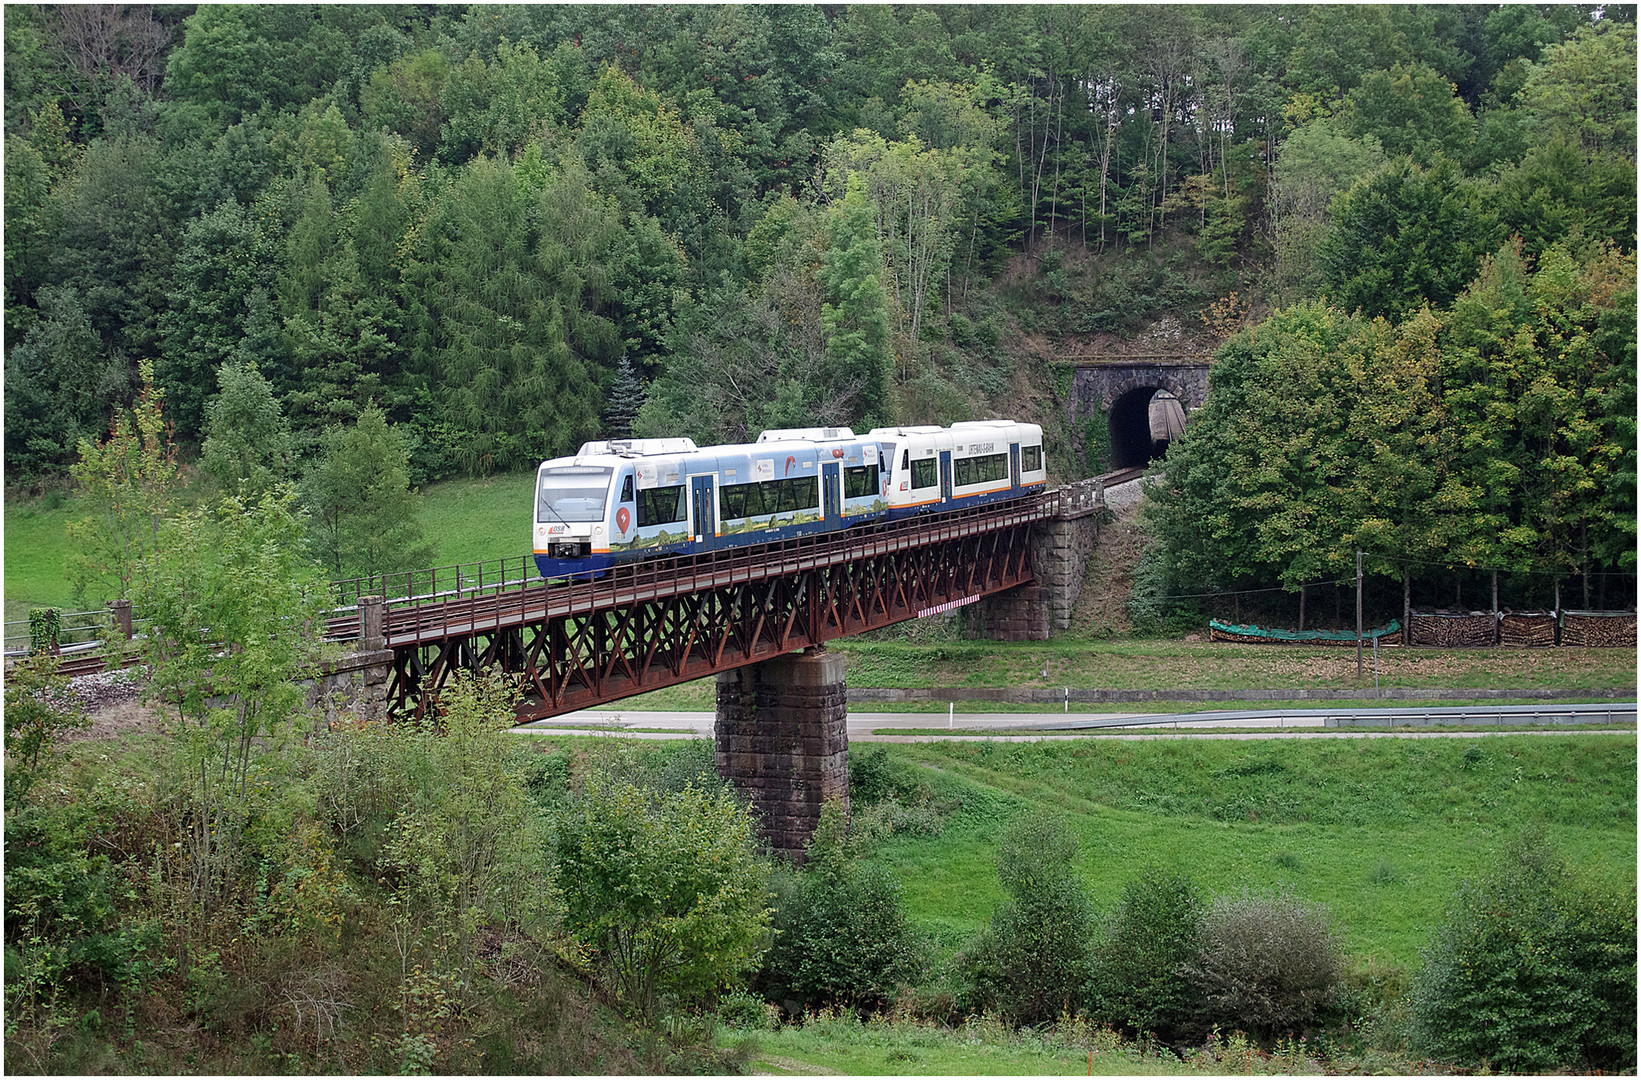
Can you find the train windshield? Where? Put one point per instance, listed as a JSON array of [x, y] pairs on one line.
[[572, 493]]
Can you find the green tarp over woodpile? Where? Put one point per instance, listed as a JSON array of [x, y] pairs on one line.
[[1224, 631]]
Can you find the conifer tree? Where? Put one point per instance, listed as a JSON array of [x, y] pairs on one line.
[[363, 511], [626, 398]]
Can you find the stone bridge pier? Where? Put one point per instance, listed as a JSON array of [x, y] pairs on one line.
[[782, 738], [1060, 549]]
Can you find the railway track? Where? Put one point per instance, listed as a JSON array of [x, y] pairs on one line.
[[1122, 476]]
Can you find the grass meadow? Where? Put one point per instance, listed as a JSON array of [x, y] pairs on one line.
[[1379, 830], [843, 1043], [465, 520]]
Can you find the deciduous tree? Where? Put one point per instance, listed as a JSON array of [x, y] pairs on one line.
[[247, 447], [363, 511], [668, 888]]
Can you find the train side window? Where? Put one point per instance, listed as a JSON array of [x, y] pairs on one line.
[[923, 473], [1031, 458], [860, 482], [981, 470], [626, 488], [732, 501], [905, 460], [661, 506]]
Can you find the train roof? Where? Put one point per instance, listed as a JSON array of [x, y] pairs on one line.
[[806, 434], [636, 447]]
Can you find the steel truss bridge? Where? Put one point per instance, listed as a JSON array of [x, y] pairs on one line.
[[582, 642]]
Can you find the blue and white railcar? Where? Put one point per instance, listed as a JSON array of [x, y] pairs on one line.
[[634, 499], [851, 471]]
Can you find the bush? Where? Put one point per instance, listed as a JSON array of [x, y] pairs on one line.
[[841, 933], [438, 812], [1532, 971], [746, 1011], [1138, 979], [1266, 963], [887, 799], [667, 887], [1032, 961]]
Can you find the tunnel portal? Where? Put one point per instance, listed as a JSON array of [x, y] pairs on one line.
[[1142, 422]]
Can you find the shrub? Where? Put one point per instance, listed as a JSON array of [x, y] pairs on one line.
[[1032, 961], [39, 711], [1532, 970], [1265, 963], [841, 932], [1138, 979], [746, 1011], [668, 887], [438, 812]]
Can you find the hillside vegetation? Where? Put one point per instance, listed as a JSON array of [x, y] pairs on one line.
[[470, 238]]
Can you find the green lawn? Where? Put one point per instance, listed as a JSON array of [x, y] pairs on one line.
[[1378, 830], [471, 520], [466, 521], [36, 544], [1170, 664]]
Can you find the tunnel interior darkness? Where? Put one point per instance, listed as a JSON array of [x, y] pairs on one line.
[[1130, 425]]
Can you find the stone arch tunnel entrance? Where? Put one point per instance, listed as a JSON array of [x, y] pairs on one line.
[[1141, 401], [1143, 421]]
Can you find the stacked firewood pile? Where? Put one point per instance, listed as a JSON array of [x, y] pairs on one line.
[[1463, 630], [1452, 630], [1527, 629], [1598, 629]]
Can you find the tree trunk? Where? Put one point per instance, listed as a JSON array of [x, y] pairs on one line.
[[1407, 606], [1495, 607], [1301, 606]]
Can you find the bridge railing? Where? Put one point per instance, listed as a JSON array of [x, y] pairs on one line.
[[1080, 497], [78, 631], [435, 581]]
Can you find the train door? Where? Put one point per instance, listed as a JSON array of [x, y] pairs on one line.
[[945, 475], [1014, 465], [831, 491], [704, 517]]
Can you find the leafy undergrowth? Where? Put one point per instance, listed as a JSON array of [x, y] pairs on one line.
[[834, 1042], [1378, 830]]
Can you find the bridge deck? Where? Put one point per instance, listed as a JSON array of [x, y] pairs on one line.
[[417, 621]]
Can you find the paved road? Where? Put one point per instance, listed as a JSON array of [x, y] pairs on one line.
[[878, 727]]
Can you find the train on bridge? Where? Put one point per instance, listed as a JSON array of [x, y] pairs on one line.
[[618, 501]]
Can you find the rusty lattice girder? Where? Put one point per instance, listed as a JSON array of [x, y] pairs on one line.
[[573, 645]]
